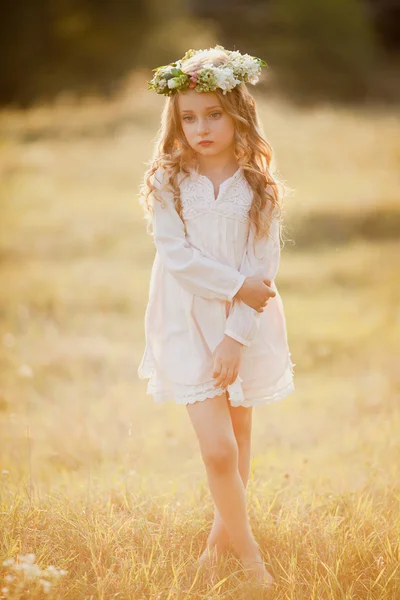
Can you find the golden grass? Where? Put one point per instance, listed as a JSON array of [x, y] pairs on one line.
[[99, 480]]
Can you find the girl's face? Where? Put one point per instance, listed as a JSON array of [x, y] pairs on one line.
[[203, 119]]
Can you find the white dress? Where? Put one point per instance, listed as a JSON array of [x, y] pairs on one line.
[[190, 307]]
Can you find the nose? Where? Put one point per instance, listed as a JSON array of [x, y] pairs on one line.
[[202, 127]]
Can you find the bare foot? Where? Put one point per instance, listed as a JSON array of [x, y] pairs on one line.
[[207, 564], [256, 571], [215, 549], [211, 555]]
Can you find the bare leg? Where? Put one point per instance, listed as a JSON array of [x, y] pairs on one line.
[[241, 417], [213, 425]]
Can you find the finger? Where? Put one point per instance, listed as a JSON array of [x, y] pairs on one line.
[[270, 294], [216, 368], [221, 377], [228, 378], [234, 376], [267, 281]]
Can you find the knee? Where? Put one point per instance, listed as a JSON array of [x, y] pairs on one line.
[[222, 456]]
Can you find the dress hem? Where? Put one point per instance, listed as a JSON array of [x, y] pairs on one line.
[[258, 400]]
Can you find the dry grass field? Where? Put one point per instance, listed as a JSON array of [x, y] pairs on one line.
[[107, 487]]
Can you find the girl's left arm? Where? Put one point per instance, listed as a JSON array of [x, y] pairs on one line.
[[261, 258]]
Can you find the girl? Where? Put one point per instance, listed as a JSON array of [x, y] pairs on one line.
[[215, 328]]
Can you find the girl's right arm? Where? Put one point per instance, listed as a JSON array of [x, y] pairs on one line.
[[261, 258], [197, 273]]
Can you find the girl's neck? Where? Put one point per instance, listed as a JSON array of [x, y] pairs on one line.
[[217, 165]]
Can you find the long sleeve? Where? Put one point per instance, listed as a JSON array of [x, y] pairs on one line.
[[196, 272], [243, 321]]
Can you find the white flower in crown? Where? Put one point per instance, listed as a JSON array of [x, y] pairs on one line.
[[245, 66], [173, 83], [239, 68], [226, 80]]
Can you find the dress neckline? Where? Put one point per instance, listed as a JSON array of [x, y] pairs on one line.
[[223, 183]]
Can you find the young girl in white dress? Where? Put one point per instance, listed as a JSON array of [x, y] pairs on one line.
[[215, 328]]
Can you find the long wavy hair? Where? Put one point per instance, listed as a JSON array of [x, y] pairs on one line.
[[254, 154]]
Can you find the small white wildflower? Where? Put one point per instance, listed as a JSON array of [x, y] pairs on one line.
[[8, 562], [52, 571], [9, 578], [31, 571], [4, 590], [5, 472], [27, 558], [46, 585]]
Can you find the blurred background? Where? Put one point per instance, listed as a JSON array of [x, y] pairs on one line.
[[77, 128], [336, 49], [89, 464]]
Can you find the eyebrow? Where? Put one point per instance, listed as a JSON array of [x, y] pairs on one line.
[[208, 108]]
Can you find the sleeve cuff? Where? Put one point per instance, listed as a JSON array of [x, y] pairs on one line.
[[238, 286], [237, 337]]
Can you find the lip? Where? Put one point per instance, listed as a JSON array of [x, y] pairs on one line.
[[205, 143]]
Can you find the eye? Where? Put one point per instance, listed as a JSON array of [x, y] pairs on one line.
[[216, 113], [186, 118]]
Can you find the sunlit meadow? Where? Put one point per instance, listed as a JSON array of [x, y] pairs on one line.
[[103, 492]]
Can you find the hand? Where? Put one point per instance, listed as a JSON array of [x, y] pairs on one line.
[[256, 292], [227, 358]]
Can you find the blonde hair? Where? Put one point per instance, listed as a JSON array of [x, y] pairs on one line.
[[253, 153]]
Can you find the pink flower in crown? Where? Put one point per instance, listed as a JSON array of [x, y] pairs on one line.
[[193, 80]]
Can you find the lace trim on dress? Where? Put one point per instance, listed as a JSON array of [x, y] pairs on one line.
[[182, 394], [185, 394], [197, 197], [268, 399]]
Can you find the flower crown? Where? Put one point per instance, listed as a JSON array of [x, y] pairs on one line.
[[240, 68]]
